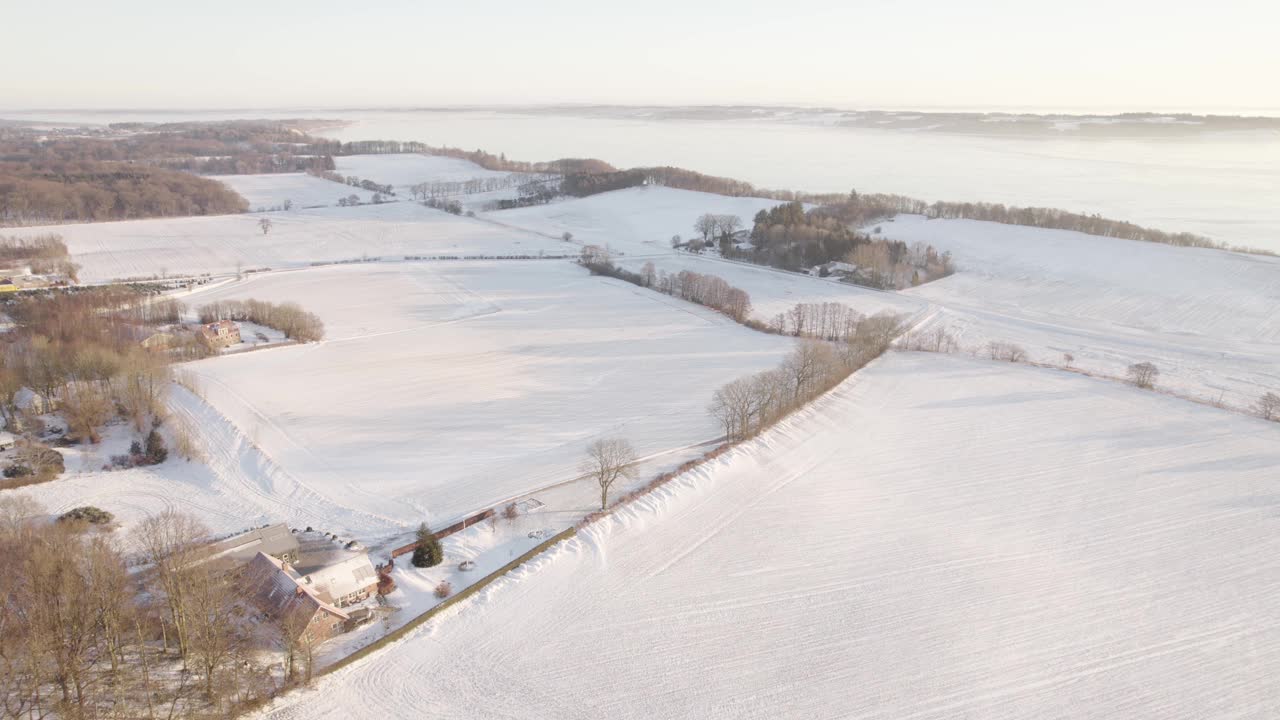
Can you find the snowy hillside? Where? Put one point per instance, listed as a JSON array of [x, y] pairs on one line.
[[266, 192], [638, 224], [1205, 317], [939, 538], [636, 221], [404, 170], [297, 239], [443, 388]]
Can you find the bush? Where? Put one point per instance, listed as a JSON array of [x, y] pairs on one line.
[[428, 553], [87, 513], [511, 511], [1144, 375], [41, 462], [18, 471], [1007, 352], [444, 589]]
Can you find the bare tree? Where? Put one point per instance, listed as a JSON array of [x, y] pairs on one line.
[[265, 223], [648, 274], [213, 618], [1268, 406], [808, 366], [1143, 375], [705, 226], [17, 515], [728, 225], [567, 236], [608, 459], [1008, 352], [1067, 359], [173, 543]]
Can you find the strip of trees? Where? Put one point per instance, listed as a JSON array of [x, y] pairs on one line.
[[289, 318], [708, 290], [82, 636], [44, 254], [747, 406]]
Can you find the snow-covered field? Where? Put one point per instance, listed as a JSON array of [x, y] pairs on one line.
[[235, 486], [404, 170], [1206, 318], [443, 388], [938, 538], [183, 246], [638, 224], [266, 192]]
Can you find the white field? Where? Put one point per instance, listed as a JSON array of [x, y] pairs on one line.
[[444, 388], [638, 224], [232, 488], [403, 171], [218, 244], [265, 192], [1206, 318], [938, 538]]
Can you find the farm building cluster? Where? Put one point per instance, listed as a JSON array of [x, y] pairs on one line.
[[309, 582]]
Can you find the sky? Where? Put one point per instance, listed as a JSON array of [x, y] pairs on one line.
[[1088, 55]]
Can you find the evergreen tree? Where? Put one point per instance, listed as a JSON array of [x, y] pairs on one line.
[[428, 553], [156, 450]]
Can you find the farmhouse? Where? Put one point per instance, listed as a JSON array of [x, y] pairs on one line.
[[273, 540], [283, 594], [7, 440], [339, 576], [220, 334]]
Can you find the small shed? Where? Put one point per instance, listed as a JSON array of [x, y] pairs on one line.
[[7, 440]]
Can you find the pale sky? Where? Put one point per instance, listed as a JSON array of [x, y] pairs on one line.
[[1069, 54]]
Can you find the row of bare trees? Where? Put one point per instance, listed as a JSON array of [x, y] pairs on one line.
[[82, 636], [708, 290], [746, 406], [832, 321], [711, 226]]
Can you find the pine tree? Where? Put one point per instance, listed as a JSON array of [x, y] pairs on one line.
[[428, 553], [156, 450]]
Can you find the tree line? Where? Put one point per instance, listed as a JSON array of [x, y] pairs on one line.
[[707, 290], [746, 406], [289, 318], [42, 254], [42, 192]]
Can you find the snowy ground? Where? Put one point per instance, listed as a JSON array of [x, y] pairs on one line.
[[218, 245], [938, 538], [1206, 318], [638, 224], [267, 192], [404, 170], [233, 488], [443, 388]]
